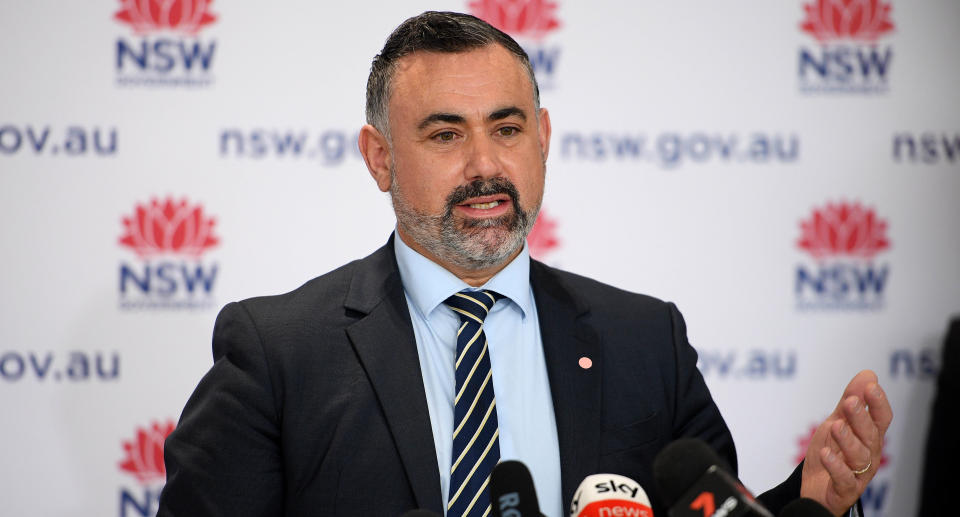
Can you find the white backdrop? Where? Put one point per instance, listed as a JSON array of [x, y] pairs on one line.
[[691, 141]]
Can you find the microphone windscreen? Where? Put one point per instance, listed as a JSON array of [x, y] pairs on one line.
[[804, 507], [680, 464], [512, 491], [601, 495]]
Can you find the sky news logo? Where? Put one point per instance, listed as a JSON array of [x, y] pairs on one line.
[[143, 461], [165, 49], [530, 22], [849, 58], [169, 239], [843, 240]]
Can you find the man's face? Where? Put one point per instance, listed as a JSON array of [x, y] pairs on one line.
[[468, 155]]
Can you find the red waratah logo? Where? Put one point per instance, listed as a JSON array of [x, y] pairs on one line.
[[186, 16], [522, 18], [543, 237], [864, 20], [843, 229], [145, 453], [804, 443], [169, 227]]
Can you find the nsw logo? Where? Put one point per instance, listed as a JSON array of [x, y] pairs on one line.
[[169, 238], [165, 49], [530, 22], [843, 240], [143, 461], [849, 58]]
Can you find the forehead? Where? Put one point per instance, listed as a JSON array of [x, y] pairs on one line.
[[476, 79]]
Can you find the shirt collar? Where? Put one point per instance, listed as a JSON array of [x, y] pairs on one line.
[[428, 284]]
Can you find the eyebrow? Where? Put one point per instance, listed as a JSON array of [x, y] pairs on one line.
[[510, 111], [453, 118], [449, 118]]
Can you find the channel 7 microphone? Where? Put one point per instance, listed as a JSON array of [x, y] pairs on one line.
[[610, 495], [695, 482], [512, 493]]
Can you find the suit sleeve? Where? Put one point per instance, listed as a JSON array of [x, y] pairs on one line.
[[224, 456], [699, 417], [695, 413]]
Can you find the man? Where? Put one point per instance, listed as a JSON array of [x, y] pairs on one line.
[[370, 390]]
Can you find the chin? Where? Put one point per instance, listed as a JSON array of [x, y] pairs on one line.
[[492, 247]]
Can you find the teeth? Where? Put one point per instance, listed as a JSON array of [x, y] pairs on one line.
[[485, 206]]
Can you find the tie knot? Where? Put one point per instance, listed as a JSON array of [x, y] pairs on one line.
[[473, 305]]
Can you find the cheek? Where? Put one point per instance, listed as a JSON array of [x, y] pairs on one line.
[[534, 194], [423, 186], [530, 180]]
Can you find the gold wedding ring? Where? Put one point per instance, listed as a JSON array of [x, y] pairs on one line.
[[864, 469]]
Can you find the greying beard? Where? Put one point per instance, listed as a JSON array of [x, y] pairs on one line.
[[471, 243]]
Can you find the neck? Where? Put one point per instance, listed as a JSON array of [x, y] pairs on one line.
[[472, 277]]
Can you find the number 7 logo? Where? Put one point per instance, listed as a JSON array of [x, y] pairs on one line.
[[704, 502]]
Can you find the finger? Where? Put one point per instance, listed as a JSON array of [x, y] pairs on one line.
[[844, 481], [857, 416], [856, 387], [880, 410], [855, 454]]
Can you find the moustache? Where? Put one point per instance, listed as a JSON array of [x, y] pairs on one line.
[[478, 188]]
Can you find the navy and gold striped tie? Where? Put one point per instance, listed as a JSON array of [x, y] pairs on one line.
[[476, 444]]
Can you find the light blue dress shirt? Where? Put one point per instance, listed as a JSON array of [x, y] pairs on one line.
[[528, 429]]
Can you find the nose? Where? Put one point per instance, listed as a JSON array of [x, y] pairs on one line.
[[481, 160]]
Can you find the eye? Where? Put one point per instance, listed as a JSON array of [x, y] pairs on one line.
[[508, 131], [445, 136]]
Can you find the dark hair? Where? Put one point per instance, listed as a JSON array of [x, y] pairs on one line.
[[433, 31]]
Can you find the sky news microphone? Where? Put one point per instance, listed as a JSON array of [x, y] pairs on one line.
[[610, 495], [512, 493], [805, 507], [695, 482]]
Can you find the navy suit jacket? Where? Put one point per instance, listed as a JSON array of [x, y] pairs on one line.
[[315, 403]]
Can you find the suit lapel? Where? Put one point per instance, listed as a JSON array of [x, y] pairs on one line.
[[576, 390], [385, 344]]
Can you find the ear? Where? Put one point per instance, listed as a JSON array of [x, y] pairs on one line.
[[376, 153], [544, 127]]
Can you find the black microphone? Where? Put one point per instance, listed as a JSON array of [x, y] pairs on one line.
[[805, 507], [695, 482], [512, 493], [420, 513]]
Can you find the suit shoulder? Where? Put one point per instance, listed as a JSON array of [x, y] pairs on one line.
[[599, 293], [315, 298]]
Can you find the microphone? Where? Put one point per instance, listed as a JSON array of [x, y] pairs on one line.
[[512, 493], [805, 507], [695, 482], [610, 495]]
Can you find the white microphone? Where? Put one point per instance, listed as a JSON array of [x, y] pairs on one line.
[[610, 495]]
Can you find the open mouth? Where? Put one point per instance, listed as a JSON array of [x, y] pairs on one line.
[[495, 205], [484, 206]]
